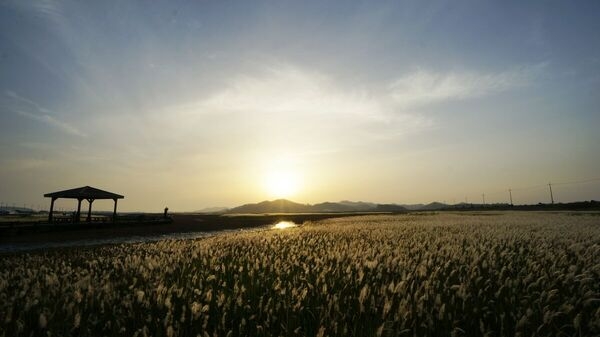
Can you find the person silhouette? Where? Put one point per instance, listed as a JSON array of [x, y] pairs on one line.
[[166, 210]]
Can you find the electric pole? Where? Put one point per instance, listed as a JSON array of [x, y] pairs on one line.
[[510, 194], [483, 197], [551, 196]]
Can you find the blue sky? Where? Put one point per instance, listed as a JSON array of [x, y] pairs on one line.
[[197, 103]]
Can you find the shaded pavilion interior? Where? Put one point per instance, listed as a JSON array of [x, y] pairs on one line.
[[83, 193]]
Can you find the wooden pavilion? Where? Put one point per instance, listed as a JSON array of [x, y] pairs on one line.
[[83, 193]]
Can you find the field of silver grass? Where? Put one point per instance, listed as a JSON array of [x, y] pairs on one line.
[[519, 274]]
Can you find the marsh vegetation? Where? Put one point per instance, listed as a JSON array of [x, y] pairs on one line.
[[445, 274]]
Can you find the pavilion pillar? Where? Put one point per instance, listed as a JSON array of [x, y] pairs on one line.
[[50, 216], [78, 215], [115, 211], [89, 216]]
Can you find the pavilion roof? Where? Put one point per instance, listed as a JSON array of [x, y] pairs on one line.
[[85, 192]]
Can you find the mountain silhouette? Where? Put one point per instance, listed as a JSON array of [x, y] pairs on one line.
[[287, 206], [275, 206]]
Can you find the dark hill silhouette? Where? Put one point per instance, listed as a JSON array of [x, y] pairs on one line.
[[286, 206], [433, 206], [212, 210], [389, 208], [275, 206], [413, 207], [332, 207], [359, 205]]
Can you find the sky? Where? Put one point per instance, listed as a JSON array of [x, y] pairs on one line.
[[194, 104]]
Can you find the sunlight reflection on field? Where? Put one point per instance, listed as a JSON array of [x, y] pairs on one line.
[[284, 225]]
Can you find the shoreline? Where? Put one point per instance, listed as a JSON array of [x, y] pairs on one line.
[[179, 224]]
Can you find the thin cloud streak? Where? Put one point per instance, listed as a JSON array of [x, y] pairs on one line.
[[41, 114], [52, 122], [49, 9], [424, 87], [21, 164]]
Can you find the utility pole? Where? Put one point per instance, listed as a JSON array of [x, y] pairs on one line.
[[551, 196], [510, 194], [483, 197]]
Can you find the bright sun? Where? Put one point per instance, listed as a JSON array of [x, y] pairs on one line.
[[281, 184]]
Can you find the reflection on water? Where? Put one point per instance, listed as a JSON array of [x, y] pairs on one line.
[[23, 247], [284, 225]]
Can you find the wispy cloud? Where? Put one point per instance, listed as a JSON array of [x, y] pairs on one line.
[[288, 89], [34, 111], [425, 87], [48, 9], [274, 109], [288, 107], [65, 127], [296, 102], [20, 164], [22, 99]]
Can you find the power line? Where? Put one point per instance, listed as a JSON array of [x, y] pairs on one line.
[[528, 187], [577, 182], [539, 187]]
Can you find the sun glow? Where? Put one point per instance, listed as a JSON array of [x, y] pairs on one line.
[[282, 184]]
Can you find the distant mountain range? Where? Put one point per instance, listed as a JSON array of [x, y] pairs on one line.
[[213, 210], [4, 210], [287, 206]]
